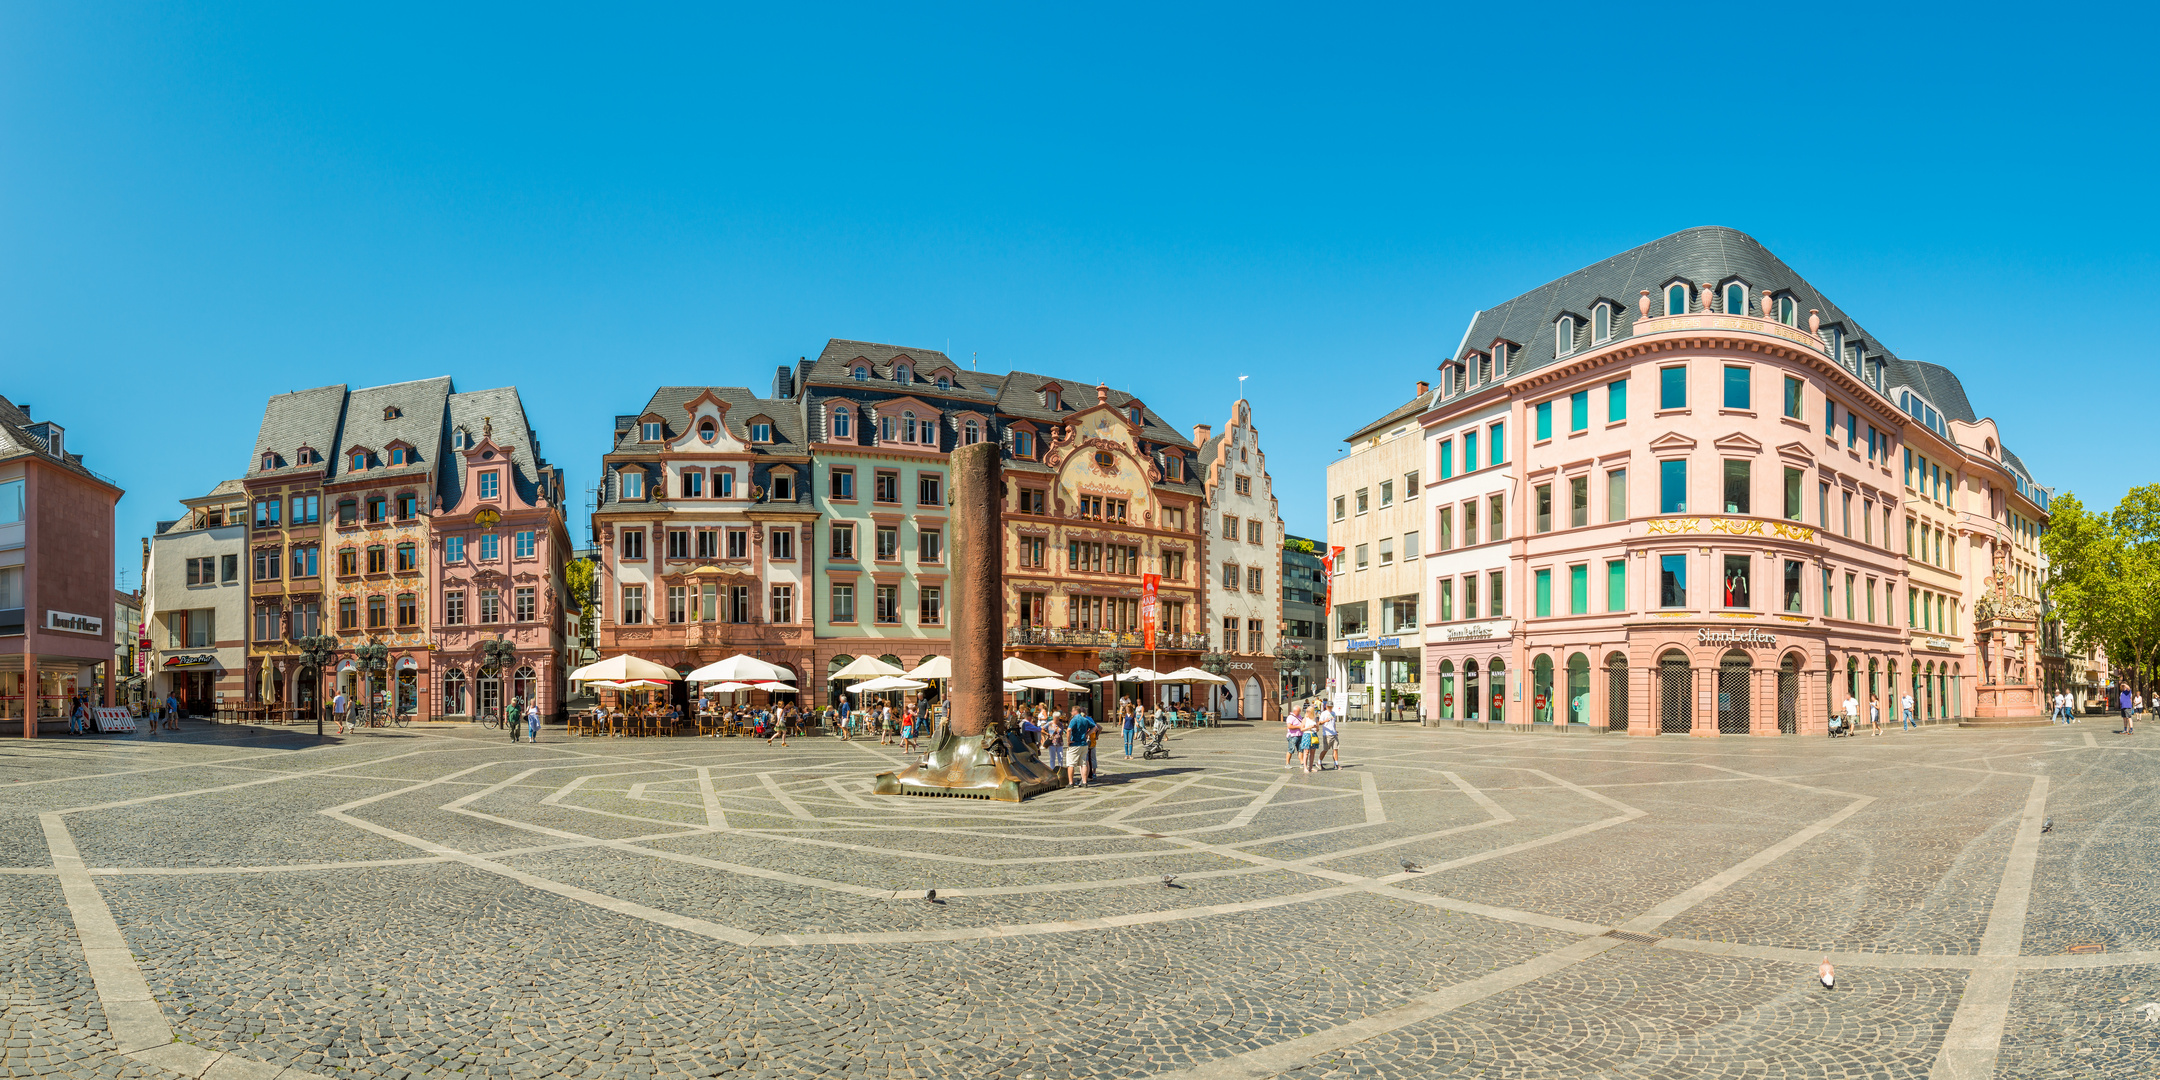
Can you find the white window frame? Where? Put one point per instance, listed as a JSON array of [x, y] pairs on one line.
[[1563, 335], [1601, 320], [1670, 286], [651, 431], [1727, 293]]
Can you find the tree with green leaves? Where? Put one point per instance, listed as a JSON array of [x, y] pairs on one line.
[[2104, 579]]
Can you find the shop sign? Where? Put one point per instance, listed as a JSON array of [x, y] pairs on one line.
[[1763, 638], [1240, 665], [73, 623], [195, 660], [1732, 527], [1473, 632], [1940, 644], [1376, 643]]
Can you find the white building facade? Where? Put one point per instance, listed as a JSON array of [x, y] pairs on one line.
[[1244, 548]]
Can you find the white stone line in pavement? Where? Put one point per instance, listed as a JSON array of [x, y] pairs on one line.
[[1251, 810], [271, 868], [121, 803], [715, 814], [1285, 1056], [1495, 815], [1970, 1047], [2090, 741], [794, 809], [1150, 800], [132, 1017]]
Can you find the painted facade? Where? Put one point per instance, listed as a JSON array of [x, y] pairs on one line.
[[1714, 516], [706, 530], [56, 573], [1245, 543], [497, 544], [286, 517]]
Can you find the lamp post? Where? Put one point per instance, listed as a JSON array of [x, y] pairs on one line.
[[1215, 663], [315, 654], [495, 655], [1114, 661], [1289, 659], [372, 657]]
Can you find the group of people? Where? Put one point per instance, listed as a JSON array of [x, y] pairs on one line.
[[1850, 713], [1312, 738], [82, 719], [1064, 739]]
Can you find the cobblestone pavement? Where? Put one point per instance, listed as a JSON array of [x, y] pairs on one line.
[[437, 903]]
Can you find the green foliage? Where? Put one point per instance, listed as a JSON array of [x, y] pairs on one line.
[[2104, 578], [578, 582]]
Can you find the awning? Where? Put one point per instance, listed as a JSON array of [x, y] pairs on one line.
[[193, 660]]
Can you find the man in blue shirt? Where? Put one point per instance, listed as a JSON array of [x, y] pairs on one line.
[[1079, 756]]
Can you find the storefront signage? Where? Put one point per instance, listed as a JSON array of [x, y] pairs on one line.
[[1940, 644], [1736, 637], [196, 660], [1376, 643], [73, 623], [1240, 665], [1473, 632], [1732, 527]]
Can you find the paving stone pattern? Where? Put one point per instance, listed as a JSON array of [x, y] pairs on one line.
[[441, 903]]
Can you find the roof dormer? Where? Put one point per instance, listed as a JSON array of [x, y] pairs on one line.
[[1733, 296], [1566, 329], [402, 453], [1674, 297], [945, 377], [460, 439], [1052, 396]]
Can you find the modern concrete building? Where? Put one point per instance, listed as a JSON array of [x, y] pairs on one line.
[[56, 573], [1245, 544], [1377, 531], [1680, 491], [195, 601], [1304, 608]]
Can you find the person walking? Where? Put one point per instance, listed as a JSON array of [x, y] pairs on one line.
[[907, 729], [1852, 713], [2128, 705], [339, 707], [1330, 740], [1080, 737], [1131, 720], [1905, 705], [517, 718], [532, 720], [1052, 732], [1874, 716]]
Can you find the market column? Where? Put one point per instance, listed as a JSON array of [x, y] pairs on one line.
[[30, 693]]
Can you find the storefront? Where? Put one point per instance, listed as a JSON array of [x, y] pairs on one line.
[[1380, 677]]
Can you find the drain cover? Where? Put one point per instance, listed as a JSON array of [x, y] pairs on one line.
[[2089, 947]]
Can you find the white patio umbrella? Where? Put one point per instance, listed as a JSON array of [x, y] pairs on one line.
[[937, 667], [619, 668], [1016, 668], [1049, 682], [726, 688], [740, 668], [1138, 674], [865, 667], [630, 684], [881, 685], [1192, 675], [1014, 688]]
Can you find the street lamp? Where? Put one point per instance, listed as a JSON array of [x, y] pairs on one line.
[[1114, 661], [495, 655], [1289, 658], [372, 656], [1215, 663], [315, 654]]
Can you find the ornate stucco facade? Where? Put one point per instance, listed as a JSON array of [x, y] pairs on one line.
[[1245, 542]]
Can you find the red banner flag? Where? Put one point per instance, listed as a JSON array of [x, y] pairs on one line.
[[1149, 583]]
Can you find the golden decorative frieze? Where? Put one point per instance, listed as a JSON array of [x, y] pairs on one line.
[[1732, 527]]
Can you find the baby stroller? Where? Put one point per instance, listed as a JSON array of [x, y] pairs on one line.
[[1151, 743]]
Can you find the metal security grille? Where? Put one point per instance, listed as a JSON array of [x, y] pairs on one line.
[[1676, 685], [1616, 697], [1733, 703], [1788, 701]]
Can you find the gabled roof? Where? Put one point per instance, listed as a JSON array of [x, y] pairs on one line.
[[293, 420], [18, 441], [1406, 411], [475, 411], [419, 422], [669, 402]]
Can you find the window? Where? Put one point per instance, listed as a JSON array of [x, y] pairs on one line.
[[650, 432], [723, 484], [930, 490], [454, 608], [1252, 531], [1447, 464], [1496, 529], [782, 545], [1387, 493], [1736, 581], [1850, 584], [761, 432], [1846, 517], [1543, 580], [678, 604], [230, 566], [1493, 594], [1339, 501], [267, 512], [783, 603], [1829, 412], [908, 431], [1387, 551], [527, 541], [843, 603], [1738, 392], [1469, 596], [1579, 411], [1787, 311], [348, 613], [401, 456], [1672, 581], [266, 563], [888, 543], [843, 541], [266, 622], [738, 543], [348, 511], [1499, 444], [201, 571], [408, 557], [1469, 451], [1544, 420], [678, 543], [1173, 563], [887, 487], [1444, 599], [930, 546], [1469, 523], [633, 484], [633, 605], [1852, 430], [1738, 475], [375, 560], [1410, 485], [888, 603], [1676, 300], [738, 602], [408, 610], [378, 612], [1672, 487], [1735, 299], [359, 460], [843, 423], [1616, 401], [1616, 585], [1578, 501], [1256, 582], [1793, 570], [378, 509], [1867, 521], [1563, 337], [348, 562], [1543, 499], [693, 484], [1447, 529], [1823, 506], [1409, 546], [632, 544], [783, 487], [1672, 388], [841, 483], [1792, 396], [1579, 589], [1601, 322], [1616, 507], [861, 373], [305, 509], [1792, 493], [1363, 500], [1024, 445], [1362, 561]]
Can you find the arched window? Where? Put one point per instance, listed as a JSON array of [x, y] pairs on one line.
[[1578, 689], [1787, 311], [1735, 299], [907, 426], [1676, 299], [524, 685], [1447, 690], [707, 432], [454, 692], [359, 460], [397, 455], [1601, 323], [1541, 690], [974, 432], [862, 374], [944, 383], [1498, 670], [904, 373], [269, 461], [843, 424], [1564, 336]]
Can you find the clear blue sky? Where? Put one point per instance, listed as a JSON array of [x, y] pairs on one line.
[[201, 206]]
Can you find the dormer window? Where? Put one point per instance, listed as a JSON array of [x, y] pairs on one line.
[[885, 429], [761, 432], [1135, 414], [457, 439], [306, 455], [1735, 298], [973, 432], [861, 373], [1564, 335], [391, 412], [359, 460], [707, 431], [651, 432], [907, 426], [1024, 444], [1050, 400], [903, 373], [1788, 312], [1676, 299], [1601, 324], [843, 424], [1173, 467], [633, 484], [944, 383], [491, 483], [1501, 354], [400, 456], [269, 462]]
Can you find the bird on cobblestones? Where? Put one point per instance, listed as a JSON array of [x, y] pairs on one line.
[[1411, 867], [2048, 825], [1828, 974], [930, 895], [1169, 881]]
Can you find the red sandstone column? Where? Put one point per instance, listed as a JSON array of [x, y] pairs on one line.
[[111, 671], [30, 689], [978, 581]]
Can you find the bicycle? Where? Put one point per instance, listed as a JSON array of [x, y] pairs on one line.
[[490, 720], [401, 719]]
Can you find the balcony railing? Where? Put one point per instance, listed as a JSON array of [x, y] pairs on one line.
[[1101, 639]]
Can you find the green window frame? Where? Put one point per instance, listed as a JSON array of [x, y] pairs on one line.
[[1544, 420], [1616, 585], [1579, 411], [1672, 388], [1739, 387], [1579, 589], [1544, 593]]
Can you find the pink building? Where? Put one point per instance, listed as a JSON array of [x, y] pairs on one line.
[[497, 544], [1681, 492]]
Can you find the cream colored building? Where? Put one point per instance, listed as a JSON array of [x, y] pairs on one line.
[[1375, 532], [1244, 590]]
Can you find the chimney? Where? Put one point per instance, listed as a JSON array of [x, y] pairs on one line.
[[783, 384], [1423, 387], [1201, 433]]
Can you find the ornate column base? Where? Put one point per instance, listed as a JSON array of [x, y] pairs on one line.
[[972, 767]]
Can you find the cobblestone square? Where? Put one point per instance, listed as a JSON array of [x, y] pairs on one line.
[[433, 902]]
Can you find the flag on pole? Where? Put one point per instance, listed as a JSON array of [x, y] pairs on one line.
[[1150, 584]]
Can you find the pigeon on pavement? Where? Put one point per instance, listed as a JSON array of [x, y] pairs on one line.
[[2048, 825], [1411, 867], [1828, 974], [1169, 881], [930, 895]]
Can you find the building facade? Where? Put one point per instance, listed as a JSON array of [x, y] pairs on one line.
[[1681, 492], [196, 604], [706, 528], [1244, 544], [497, 542], [288, 554], [1376, 536], [56, 573], [1304, 604]]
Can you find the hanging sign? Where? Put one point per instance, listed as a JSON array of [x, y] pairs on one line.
[[1149, 585]]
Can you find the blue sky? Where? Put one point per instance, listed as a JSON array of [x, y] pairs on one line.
[[201, 206]]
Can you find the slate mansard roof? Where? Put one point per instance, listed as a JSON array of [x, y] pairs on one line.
[[668, 401], [21, 436], [1713, 254], [335, 420], [474, 413]]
